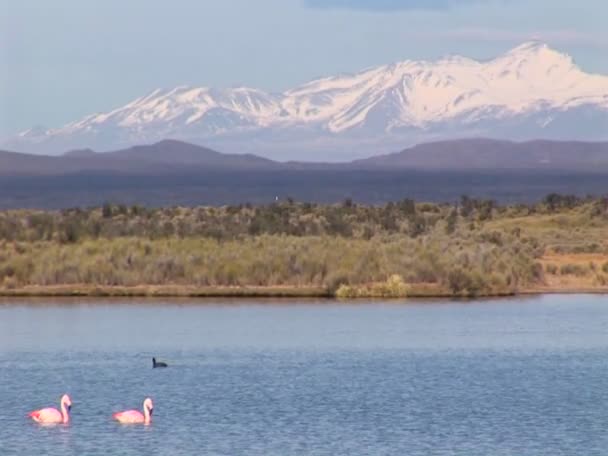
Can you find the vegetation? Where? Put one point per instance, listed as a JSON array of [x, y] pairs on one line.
[[471, 248], [393, 287]]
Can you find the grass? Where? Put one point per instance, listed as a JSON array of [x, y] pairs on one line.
[[402, 249], [162, 291], [471, 266]]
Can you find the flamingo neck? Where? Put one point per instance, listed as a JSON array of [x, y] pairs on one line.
[[146, 415], [64, 413]]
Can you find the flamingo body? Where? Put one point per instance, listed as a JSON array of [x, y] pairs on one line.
[[51, 415], [135, 416], [48, 415], [129, 417]]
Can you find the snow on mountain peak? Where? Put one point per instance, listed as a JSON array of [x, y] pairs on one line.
[[536, 53], [396, 99], [532, 46]]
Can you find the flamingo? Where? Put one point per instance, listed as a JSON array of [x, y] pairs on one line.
[[135, 416], [51, 415]]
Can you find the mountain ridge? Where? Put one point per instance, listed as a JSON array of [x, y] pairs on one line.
[[172, 156], [165, 156], [440, 171], [528, 92], [492, 154]]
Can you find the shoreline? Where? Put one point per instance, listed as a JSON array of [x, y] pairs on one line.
[[164, 291], [183, 291]]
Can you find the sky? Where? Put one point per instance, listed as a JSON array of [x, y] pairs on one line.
[[63, 59]]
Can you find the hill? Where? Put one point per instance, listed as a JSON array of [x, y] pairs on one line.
[[488, 154], [163, 157], [176, 173]]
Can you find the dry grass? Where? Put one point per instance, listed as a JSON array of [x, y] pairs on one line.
[[574, 272], [298, 249], [163, 291]]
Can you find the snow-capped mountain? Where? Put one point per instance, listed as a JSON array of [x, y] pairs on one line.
[[531, 91]]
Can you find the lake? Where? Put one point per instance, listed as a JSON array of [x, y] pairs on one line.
[[521, 376]]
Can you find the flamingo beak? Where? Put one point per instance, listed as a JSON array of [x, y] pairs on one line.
[[70, 408], [151, 410]]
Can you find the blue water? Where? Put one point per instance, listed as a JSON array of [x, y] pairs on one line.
[[498, 377]]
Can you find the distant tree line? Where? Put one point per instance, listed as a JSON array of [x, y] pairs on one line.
[[350, 220]]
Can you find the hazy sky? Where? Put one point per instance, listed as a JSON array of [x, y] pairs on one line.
[[63, 59]]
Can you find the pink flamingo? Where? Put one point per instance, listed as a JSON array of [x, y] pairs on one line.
[[51, 415], [135, 416]]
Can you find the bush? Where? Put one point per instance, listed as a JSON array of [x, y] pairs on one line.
[[573, 269], [459, 281], [551, 269], [10, 283], [393, 287], [336, 281]]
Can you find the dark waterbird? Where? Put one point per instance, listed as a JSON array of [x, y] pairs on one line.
[[158, 364]]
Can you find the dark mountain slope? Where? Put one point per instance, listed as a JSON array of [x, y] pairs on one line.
[[180, 153], [172, 172], [165, 156], [489, 154], [461, 155]]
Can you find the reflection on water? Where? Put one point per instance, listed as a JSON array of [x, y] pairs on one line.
[[517, 376]]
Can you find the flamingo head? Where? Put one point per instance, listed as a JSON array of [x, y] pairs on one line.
[[149, 406], [67, 402]]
